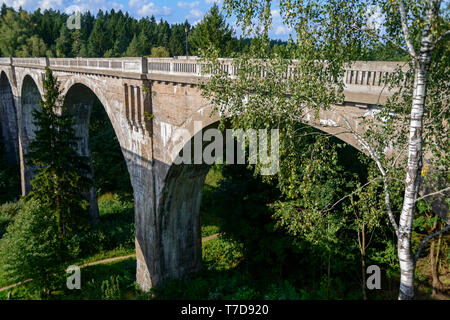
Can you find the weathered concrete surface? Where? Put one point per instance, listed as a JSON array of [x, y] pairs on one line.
[[147, 102], [8, 121]]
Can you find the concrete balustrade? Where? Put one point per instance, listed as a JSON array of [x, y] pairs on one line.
[[372, 73], [361, 78]]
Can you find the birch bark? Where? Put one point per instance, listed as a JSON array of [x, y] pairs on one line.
[[414, 166]]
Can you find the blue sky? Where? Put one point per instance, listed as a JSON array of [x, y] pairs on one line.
[[174, 11]]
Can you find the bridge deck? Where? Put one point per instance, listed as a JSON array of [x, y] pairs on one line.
[[364, 80]]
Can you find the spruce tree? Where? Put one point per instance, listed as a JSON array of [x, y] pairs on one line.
[[62, 173], [133, 49], [212, 31]]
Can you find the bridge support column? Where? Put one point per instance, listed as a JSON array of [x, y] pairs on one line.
[[8, 122], [168, 234]]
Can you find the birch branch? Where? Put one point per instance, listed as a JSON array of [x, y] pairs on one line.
[[350, 194], [372, 153], [405, 30], [424, 241], [433, 193]]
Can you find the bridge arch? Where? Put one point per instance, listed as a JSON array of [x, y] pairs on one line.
[[179, 195], [79, 101], [89, 87]]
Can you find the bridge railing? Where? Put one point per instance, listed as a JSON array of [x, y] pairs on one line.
[[186, 66], [133, 65], [358, 73], [32, 62]]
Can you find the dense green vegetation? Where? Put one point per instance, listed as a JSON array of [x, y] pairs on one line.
[[9, 178], [229, 270], [111, 173]]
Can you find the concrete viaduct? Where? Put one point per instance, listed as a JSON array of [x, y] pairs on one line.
[[147, 100]]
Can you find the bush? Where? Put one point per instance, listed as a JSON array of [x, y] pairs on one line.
[[8, 211], [115, 230], [282, 291], [31, 248], [159, 52]]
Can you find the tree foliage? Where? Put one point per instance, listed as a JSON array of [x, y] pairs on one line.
[[32, 249], [61, 179], [213, 31]]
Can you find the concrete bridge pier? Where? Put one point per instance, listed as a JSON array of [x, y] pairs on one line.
[[167, 214], [8, 121]]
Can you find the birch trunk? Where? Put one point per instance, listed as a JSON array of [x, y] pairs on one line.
[[414, 166]]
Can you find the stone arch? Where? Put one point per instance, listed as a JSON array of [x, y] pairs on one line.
[[79, 100], [94, 90], [8, 120], [179, 197], [30, 97]]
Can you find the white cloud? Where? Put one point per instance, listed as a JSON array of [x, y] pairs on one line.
[[47, 4], [213, 1], [194, 14], [16, 4], [185, 4], [282, 30], [375, 18], [149, 8], [196, 22]]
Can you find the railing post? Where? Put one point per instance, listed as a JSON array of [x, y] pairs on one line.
[[144, 65]]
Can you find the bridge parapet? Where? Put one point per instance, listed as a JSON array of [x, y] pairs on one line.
[[365, 81], [127, 65]]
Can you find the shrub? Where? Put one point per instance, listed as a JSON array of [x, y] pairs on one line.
[[282, 291], [7, 213], [32, 249]]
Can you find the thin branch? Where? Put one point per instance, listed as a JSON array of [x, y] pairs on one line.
[[446, 33], [395, 44], [431, 236], [350, 194], [409, 44], [372, 153], [433, 193]]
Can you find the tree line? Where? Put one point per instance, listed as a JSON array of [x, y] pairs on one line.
[[110, 34], [117, 34]]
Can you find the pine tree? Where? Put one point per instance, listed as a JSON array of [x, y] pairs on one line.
[[133, 49], [212, 31], [62, 177], [64, 43]]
